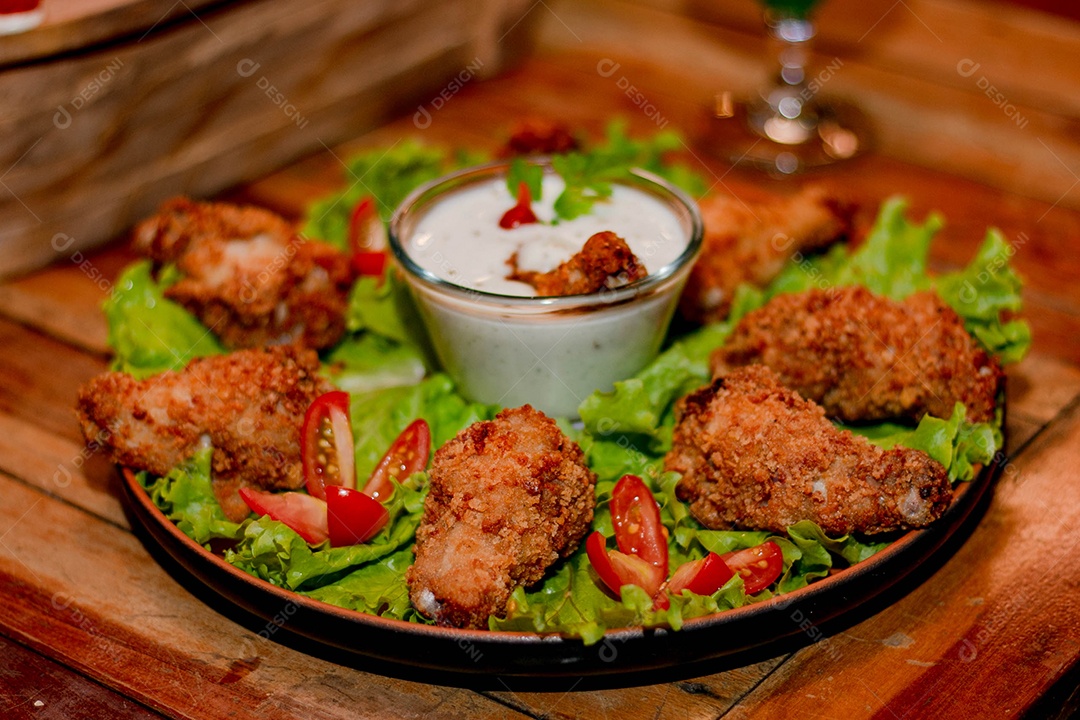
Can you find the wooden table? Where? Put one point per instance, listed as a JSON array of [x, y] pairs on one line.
[[94, 625]]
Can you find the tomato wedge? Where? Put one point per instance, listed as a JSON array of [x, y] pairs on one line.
[[367, 238], [326, 449], [636, 517], [407, 454], [617, 569], [303, 513], [758, 566], [522, 213], [352, 517], [703, 577], [369, 263]]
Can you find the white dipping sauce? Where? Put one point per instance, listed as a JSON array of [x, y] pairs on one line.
[[549, 352], [459, 238]]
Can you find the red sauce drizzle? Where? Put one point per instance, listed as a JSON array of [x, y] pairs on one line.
[[520, 214]]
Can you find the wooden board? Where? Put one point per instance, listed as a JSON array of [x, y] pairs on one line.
[[904, 63], [97, 138], [87, 606]]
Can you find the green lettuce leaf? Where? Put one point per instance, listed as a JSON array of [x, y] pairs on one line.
[[148, 332], [588, 174], [379, 417], [369, 362], [376, 588], [954, 442], [272, 551], [186, 497], [384, 307], [986, 293], [387, 175], [892, 262], [625, 431]]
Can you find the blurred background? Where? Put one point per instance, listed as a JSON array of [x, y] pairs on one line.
[[110, 106]]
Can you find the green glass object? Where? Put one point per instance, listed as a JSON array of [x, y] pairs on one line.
[[790, 125], [792, 8]]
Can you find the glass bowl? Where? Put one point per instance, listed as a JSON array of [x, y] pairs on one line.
[[550, 352]]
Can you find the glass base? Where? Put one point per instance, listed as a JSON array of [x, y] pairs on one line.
[[749, 133]]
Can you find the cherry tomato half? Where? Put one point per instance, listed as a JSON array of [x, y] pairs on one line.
[[522, 213], [407, 454], [367, 238], [303, 513], [758, 566], [703, 577], [636, 517], [369, 263], [326, 444], [617, 569], [352, 517]]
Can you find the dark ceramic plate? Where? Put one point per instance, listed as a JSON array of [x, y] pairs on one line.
[[530, 655]]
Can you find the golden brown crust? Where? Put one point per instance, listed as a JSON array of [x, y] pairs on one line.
[[250, 406], [755, 455], [247, 275], [605, 261], [750, 242], [868, 358], [508, 497]]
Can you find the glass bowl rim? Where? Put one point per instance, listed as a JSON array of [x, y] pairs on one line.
[[639, 178]]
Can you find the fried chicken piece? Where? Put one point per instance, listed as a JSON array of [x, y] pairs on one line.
[[249, 405], [605, 261], [754, 455], [508, 497], [247, 275], [750, 242], [868, 358], [539, 136]]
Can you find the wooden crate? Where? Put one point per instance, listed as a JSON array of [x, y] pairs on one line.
[[110, 106]]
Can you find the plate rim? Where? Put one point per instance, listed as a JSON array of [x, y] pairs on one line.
[[640, 648]]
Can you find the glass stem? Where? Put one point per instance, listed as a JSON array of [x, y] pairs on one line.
[[784, 115]]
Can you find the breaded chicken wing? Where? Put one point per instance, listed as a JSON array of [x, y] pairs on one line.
[[247, 275], [865, 357], [508, 498], [249, 405], [750, 242], [605, 261], [755, 455]]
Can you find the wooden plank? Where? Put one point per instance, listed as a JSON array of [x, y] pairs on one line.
[[32, 686], [99, 139], [40, 379], [64, 301], [1041, 387], [156, 643], [1024, 55], [918, 120], [703, 697], [72, 25], [67, 469], [940, 650]]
